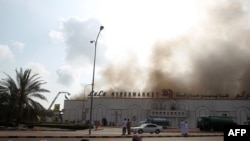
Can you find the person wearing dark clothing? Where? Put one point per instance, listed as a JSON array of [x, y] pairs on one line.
[[128, 127]]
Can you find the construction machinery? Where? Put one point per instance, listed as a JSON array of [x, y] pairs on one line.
[[67, 93]]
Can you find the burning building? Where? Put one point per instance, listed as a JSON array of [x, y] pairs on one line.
[[138, 106]]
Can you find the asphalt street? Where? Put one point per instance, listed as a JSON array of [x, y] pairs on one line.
[[120, 139], [104, 134]]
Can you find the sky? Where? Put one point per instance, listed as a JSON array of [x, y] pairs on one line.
[[146, 45]]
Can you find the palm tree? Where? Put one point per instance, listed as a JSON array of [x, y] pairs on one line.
[[4, 106], [20, 94]]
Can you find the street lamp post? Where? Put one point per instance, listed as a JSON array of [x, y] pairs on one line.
[[83, 111], [93, 80]]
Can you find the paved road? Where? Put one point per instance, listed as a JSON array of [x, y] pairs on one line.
[[104, 134], [121, 139]]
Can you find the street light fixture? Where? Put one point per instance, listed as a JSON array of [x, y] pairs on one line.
[[83, 106], [93, 79]]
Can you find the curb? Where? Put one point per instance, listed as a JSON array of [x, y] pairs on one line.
[[106, 136]]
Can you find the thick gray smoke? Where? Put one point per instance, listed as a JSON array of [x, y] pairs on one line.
[[213, 56]]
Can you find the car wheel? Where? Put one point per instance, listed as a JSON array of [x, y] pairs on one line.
[[157, 131], [140, 132]]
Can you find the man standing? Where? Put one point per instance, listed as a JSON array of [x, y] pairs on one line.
[[128, 127], [186, 129], [124, 126], [182, 127]]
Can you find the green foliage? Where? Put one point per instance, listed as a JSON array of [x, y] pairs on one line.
[[17, 102], [63, 126]]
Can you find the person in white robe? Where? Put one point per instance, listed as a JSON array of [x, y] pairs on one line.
[[182, 127]]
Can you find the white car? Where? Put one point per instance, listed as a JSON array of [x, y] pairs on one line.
[[147, 128]]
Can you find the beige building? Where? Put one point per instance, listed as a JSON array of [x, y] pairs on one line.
[[138, 106]]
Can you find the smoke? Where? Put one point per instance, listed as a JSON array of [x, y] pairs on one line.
[[123, 76], [212, 56]]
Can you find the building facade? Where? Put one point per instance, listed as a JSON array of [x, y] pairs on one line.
[[138, 106]]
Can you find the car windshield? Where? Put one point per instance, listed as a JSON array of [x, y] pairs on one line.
[[140, 125], [147, 125], [151, 125]]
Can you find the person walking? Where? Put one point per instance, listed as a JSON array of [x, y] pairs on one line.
[[124, 126], [128, 127], [96, 124]]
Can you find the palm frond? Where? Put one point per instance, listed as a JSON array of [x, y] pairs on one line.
[[38, 95], [21, 94]]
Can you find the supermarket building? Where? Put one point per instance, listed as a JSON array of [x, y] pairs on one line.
[[138, 106]]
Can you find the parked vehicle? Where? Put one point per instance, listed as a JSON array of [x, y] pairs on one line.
[[216, 123], [159, 121], [147, 128]]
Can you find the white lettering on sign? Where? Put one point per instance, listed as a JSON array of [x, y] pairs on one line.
[[235, 132]]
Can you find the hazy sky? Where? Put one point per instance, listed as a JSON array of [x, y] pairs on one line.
[[145, 45]]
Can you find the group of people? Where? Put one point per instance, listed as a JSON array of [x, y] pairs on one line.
[[184, 128], [126, 126]]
